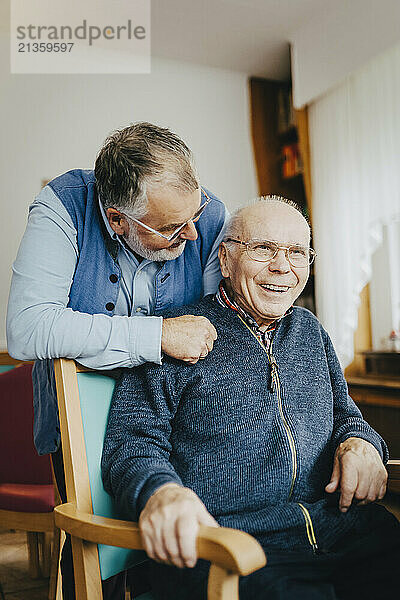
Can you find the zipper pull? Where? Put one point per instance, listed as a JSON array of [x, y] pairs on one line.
[[273, 372], [272, 381], [315, 548]]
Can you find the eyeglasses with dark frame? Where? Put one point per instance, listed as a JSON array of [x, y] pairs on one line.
[[266, 250], [176, 233]]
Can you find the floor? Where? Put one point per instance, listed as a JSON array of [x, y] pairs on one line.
[[14, 576]]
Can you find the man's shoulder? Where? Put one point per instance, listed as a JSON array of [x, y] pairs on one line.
[[213, 218], [303, 315], [302, 321], [76, 178], [203, 308]]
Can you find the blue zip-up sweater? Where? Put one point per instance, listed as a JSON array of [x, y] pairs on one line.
[[253, 433]]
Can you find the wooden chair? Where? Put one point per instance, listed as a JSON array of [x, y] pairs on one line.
[[84, 400], [104, 545], [26, 488]]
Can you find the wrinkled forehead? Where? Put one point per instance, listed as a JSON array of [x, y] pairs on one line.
[[275, 221]]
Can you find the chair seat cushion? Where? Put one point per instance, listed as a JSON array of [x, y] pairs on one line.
[[22, 497]]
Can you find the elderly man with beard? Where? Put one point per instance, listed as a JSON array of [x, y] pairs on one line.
[[102, 252], [261, 435]]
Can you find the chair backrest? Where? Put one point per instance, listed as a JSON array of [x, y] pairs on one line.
[[19, 461], [85, 428]]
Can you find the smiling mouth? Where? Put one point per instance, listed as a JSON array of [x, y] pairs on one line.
[[274, 288]]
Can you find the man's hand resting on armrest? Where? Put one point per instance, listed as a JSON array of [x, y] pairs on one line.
[[169, 524], [358, 472]]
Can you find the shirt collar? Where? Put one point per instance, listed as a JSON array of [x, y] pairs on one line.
[[223, 298], [109, 229]]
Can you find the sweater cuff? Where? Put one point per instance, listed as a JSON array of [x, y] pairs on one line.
[[152, 484]]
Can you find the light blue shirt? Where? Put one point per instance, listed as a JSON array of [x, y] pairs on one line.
[[39, 324]]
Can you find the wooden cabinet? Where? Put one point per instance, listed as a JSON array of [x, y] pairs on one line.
[[378, 398]]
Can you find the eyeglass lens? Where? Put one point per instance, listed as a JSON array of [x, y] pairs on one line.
[[194, 219], [298, 256]]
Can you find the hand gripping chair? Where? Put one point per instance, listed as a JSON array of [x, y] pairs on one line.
[[103, 545], [26, 485]]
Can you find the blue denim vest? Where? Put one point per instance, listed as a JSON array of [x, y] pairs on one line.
[[178, 282]]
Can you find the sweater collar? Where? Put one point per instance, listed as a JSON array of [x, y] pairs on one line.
[[223, 298]]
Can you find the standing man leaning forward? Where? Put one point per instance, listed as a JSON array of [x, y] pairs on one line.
[[102, 252], [261, 436]]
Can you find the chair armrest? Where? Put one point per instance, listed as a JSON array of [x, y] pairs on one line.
[[393, 468], [233, 550]]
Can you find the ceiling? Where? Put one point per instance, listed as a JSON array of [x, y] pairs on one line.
[[251, 36], [243, 35]]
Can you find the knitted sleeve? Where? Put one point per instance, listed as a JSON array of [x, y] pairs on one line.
[[347, 418], [136, 450]]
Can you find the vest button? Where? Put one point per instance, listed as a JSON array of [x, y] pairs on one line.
[[113, 278], [110, 306]]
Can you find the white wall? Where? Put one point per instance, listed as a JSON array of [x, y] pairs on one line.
[[53, 123]]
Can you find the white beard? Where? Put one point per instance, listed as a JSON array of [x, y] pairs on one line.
[[135, 243]]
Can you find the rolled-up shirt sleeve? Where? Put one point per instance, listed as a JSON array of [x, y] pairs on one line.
[[39, 324]]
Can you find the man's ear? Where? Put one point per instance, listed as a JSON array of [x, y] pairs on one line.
[[223, 260], [117, 221]]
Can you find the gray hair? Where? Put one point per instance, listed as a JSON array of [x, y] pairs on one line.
[[137, 159], [235, 224]]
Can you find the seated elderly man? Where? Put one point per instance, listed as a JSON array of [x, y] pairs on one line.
[[260, 435]]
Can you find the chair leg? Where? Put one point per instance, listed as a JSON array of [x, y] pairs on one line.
[[86, 570], [33, 554], [45, 546], [55, 561], [222, 585]]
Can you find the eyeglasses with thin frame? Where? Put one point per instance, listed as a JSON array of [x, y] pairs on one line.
[[175, 234], [266, 251]]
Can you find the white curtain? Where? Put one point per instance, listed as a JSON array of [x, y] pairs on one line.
[[355, 168]]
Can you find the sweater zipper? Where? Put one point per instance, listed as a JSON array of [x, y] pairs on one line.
[[275, 382], [309, 528], [275, 378]]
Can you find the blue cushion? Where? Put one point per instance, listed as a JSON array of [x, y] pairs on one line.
[[95, 395], [5, 368]]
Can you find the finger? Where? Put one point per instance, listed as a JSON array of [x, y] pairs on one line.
[[363, 488], [186, 533], [212, 331], [148, 547], [348, 485], [171, 546], [373, 492], [368, 497], [210, 345], [151, 533], [382, 491], [335, 477]]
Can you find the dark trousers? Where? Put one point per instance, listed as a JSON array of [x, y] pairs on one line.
[[114, 587], [361, 566]]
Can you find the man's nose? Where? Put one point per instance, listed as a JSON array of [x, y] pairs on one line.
[[280, 262], [189, 232]]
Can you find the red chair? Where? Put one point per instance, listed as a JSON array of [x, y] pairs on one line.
[[26, 482]]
